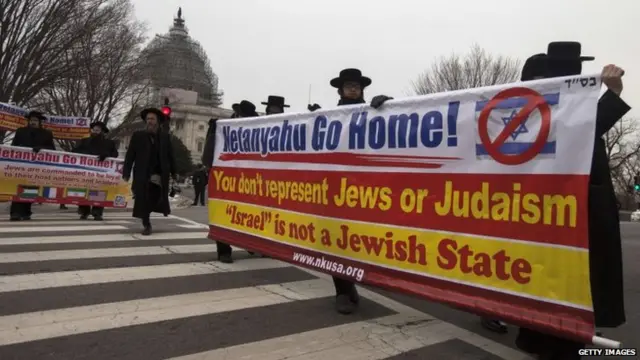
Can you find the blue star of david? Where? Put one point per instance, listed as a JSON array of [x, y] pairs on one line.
[[522, 129]]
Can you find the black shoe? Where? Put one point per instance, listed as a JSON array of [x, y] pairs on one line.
[[15, 218], [344, 304], [97, 217], [225, 259], [84, 217], [147, 230], [494, 325]]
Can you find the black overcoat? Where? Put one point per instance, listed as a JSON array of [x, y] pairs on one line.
[[605, 244], [98, 145], [33, 138], [137, 159]]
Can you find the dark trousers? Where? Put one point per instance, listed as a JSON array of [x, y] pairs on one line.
[[223, 249], [154, 192], [199, 190], [18, 209], [343, 287], [94, 211]]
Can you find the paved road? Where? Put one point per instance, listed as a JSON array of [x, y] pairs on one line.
[[93, 290], [627, 334]]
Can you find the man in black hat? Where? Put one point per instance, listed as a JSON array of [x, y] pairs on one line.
[[34, 136], [199, 179], [236, 110], [245, 109], [152, 153], [96, 144], [275, 105], [605, 245]]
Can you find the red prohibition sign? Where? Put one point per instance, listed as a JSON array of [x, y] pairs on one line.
[[534, 101]]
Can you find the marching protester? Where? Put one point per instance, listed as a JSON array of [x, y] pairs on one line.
[[236, 110], [350, 84], [34, 136], [199, 179], [96, 144], [275, 105], [151, 152], [605, 246], [245, 109]]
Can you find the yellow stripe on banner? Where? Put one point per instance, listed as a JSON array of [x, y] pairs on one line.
[[552, 273]]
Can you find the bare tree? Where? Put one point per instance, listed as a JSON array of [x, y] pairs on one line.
[[623, 146], [107, 74], [34, 34], [477, 68]]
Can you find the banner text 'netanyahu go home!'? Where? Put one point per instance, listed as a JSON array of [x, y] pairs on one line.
[[61, 178], [63, 127], [474, 198]]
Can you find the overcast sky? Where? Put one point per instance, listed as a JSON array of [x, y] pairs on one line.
[[281, 47]]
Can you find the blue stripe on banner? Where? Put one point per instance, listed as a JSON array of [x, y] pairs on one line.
[[515, 103], [68, 166], [516, 148]]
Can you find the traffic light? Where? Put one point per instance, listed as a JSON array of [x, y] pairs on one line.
[[636, 183], [166, 109]]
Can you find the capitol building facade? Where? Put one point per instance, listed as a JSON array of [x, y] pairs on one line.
[[177, 69]]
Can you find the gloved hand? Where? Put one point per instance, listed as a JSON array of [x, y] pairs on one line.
[[102, 157], [378, 100], [313, 107], [125, 178], [36, 149]]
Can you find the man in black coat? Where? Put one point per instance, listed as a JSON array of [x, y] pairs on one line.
[[199, 179], [350, 85], [36, 137], [605, 244], [96, 144], [275, 105], [151, 152], [244, 109]]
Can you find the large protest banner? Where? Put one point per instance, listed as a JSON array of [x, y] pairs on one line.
[[61, 178], [474, 198], [63, 127]]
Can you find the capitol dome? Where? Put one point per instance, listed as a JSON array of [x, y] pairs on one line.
[[175, 60]]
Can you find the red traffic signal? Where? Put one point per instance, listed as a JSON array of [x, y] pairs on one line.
[[166, 111]]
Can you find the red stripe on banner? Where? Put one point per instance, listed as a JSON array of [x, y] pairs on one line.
[[67, 201], [530, 313], [345, 158], [530, 224]]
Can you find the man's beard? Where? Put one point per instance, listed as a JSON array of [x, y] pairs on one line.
[[152, 128]]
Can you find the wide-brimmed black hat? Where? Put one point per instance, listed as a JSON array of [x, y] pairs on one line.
[[235, 107], [354, 75], [247, 108], [158, 112], [535, 66], [274, 100], [102, 125], [36, 114], [566, 50], [564, 59]]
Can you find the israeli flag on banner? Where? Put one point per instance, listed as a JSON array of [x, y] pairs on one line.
[[524, 135]]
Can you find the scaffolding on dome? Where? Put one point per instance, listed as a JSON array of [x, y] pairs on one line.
[[175, 60]]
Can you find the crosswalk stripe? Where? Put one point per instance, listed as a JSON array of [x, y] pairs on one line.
[[53, 217], [42, 325], [365, 340], [101, 276], [112, 310], [54, 229], [100, 238], [64, 222], [104, 253]]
